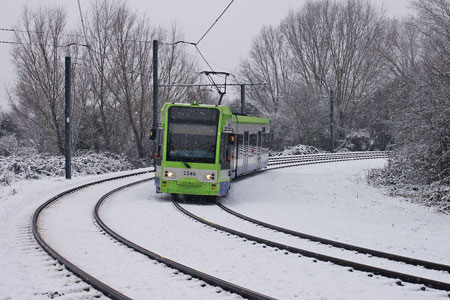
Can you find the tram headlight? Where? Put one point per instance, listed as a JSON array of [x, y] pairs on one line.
[[169, 174], [210, 176]]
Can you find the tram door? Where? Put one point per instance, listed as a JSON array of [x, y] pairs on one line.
[[259, 149], [245, 148]]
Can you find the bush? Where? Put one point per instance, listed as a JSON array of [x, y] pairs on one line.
[[402, 177], [357, 141], [297, 150], [35, 166]]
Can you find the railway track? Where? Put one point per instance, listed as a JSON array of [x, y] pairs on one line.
[[108, 290], [445, 286], [228, 286], [362, 250], [275, 162], [295, 160], [94, 282]]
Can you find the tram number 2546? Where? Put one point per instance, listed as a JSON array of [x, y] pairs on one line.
[[189, 173]]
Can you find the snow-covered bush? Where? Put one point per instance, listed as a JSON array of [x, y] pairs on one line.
[[420, 111], [297, 150], [357, 141], [35, 166], [8, 145], [403, 178], [11, 145]]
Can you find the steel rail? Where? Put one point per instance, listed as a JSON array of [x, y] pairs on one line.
[[390, 256], [356, 266], [282, 160], [318, 161], [326, 158], [318, 155], [97, 284], [360, 153], [225, 285]]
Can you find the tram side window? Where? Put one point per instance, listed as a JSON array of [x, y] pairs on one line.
[[266, 140], [253, 140], [240, 142], [240, 138], [246, 140], [158, 154], [224, 152]]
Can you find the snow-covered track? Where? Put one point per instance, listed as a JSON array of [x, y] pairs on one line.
[[390, 256], [277, 162], [94, 282], [326, 258], [214, 281]]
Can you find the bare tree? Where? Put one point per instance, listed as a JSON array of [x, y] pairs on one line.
[[100, 73], [324, 45], [267, 64], [176, 67], [132, 88], [38, 96], [427, 117], [332, 46], [119, 76], [418, 96]]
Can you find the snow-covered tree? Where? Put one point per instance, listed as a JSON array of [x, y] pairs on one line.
[[324, 45], [37, 97]]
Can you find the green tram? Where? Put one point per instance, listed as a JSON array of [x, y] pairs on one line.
[[201, 148]]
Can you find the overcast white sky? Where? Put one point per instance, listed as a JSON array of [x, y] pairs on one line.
[[224, 46]]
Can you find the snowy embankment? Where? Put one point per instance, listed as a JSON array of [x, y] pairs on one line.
[[327, 200]]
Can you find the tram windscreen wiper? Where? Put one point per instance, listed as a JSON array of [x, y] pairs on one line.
[[186, 164]]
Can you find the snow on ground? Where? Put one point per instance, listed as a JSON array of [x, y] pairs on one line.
[[68, 226], [334, 201], [286, 196], [328, 200], [26, 271]]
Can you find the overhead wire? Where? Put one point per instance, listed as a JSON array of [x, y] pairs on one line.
[[132, 40], [204, 59], [223, 12], [81, 17], [83, 36], [38, 32], [38, 44], [210, 78]]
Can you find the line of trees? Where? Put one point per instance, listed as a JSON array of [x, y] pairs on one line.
[[324, 45], [111, 78], [391, 80]]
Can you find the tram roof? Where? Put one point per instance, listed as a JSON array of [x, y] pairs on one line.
[[225, 110]]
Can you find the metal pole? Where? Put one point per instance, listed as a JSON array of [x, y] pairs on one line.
[[155, 98], [243, 99], [332, 121], [68, 141], [155, 84]]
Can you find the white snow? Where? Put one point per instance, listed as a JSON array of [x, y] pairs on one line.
[[328, 200], [26, 271]]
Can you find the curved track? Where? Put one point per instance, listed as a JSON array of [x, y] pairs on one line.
[[274, 163], [277, 162], [244, 292], [390, 256], [296, 160], [102, 287], [108, 290], [356, 266]]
